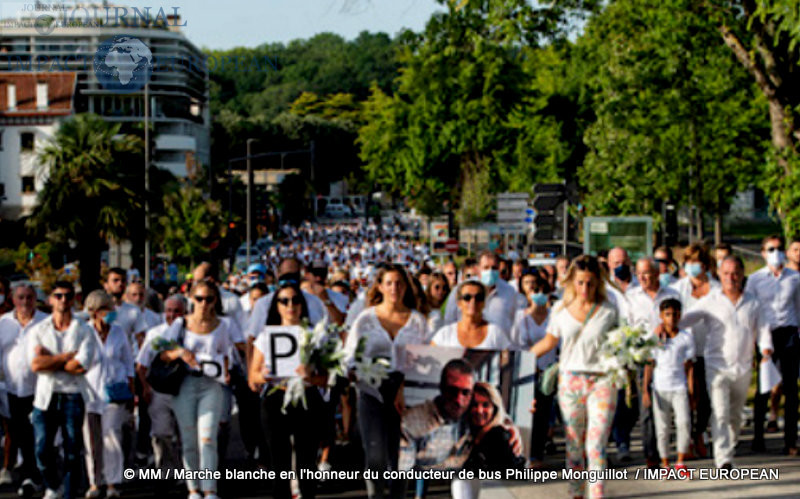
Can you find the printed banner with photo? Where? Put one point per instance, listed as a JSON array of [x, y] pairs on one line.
[[507, 377]]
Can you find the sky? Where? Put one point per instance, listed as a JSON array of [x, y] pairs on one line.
[[224, 24]]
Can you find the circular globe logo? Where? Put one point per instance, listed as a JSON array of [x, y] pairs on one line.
[[123, 64]]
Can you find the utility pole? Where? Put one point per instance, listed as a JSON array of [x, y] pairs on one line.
[[249, 198], [146, 185]]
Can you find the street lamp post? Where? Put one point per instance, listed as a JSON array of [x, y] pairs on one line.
[[146, 185], [249, 197]]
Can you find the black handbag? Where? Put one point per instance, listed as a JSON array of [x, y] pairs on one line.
[[167, 377]]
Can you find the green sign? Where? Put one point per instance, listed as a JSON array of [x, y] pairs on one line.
[[634, 234]]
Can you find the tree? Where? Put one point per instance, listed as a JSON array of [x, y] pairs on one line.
[[91, 191], [677, 119], [191, 224], [763, 35]]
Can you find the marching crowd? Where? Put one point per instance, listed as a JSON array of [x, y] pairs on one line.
[[82, 375]]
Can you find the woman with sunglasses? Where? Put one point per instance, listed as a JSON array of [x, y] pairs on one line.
[[288, 308], [111, 376], [580, 322], [472, 331], [390, 321], [530, 326], [205, 343]]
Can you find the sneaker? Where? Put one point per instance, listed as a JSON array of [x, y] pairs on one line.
[[623, 454], [5, 477], [682, 471], [51, 494], [326, 466], [93, 493], [112, 493], [195, 495], [28, 488]]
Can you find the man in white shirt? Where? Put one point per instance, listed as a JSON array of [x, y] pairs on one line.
[[20, 382], [256, 273], [136, 295], [643, 303], [502, 302], [60, 350], [335, 303], [736, 322], [163, 427], [619, 265], [129, 316], [779, 287]]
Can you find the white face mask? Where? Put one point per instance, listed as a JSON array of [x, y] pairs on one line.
[[776, 258]]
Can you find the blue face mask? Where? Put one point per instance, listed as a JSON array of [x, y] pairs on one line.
[[623, 273], [664, 279], [539, 299], [489, 277], [272, 288], [110, 317], [693, 269]]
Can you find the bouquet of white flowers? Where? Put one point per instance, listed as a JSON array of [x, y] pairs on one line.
[[626, 349], [321, 352]]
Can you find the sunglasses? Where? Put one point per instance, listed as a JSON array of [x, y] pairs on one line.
[[205, 299], [63, 296], [479, 297], [772, 249], [454, 391], [293, 300]]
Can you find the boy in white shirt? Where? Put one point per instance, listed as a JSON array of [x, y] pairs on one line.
[[671, 372]]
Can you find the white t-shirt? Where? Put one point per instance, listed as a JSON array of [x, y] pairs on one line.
[[495, 339], [669, 373], [579, 352], [212, 348], [526, 332], [20, 380], [131, 319]]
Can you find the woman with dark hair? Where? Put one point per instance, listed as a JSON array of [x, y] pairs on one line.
[[288, 309], [530, 326], [391, 320], [580, 322], [437, 293], [205, 341], [491, 447], [472, 330]]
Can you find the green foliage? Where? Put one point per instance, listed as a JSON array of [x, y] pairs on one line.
[[90, 193], [677, 118], [190, 223]]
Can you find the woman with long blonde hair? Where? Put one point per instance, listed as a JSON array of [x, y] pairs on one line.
[[586, 396]]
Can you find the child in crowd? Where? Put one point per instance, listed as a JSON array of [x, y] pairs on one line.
[[671, 373]]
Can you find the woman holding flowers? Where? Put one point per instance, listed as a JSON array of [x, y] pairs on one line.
[[587, 397], [281, 421]]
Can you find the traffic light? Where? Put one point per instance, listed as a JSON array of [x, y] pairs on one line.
[[548, 205]]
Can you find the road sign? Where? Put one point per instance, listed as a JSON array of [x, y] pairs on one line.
[[634, 234], [512, 212], [439, 236], [451, 246]]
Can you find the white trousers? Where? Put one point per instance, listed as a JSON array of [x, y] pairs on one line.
[[728, 394], [665, 404]]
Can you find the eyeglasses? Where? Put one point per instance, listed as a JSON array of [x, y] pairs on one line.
[[454, 391], [287, 282], [63, 296], [292, 300], [479, 297], [204, 299]]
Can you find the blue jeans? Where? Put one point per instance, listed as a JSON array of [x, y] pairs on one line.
[[198, 408], [66, 412]]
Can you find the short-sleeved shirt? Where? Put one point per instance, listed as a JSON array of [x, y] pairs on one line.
[[20, 380], [215, 346], [669, 373], [526, 333], [495, 339], [580, 348]]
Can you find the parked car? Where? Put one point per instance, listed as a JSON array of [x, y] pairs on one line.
[[338, 211]]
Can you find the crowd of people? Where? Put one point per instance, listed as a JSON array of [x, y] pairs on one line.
[[80, 373]]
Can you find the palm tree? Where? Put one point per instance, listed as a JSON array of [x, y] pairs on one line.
[[91, 192]]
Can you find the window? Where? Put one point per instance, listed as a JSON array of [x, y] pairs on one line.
[[27, 184], [41, 95], [12, 97], [26, 142]]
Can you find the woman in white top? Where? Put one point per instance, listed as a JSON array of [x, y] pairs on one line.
[[111, 376], [530, 326], [437, 292], [697, 284], [389, 322], [205, 344], [586, 396], [304, 425], [472, 331]]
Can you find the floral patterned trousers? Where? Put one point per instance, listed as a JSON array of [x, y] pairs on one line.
[[588, 403]]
